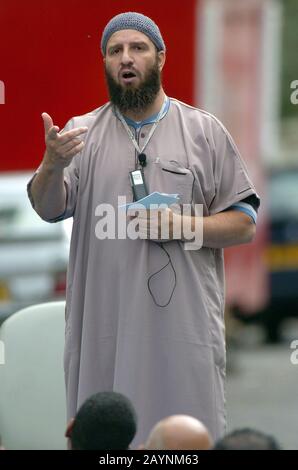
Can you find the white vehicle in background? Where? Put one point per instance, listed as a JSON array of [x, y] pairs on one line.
[[33, 253]]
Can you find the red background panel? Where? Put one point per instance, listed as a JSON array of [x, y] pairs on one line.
[[50, 61]]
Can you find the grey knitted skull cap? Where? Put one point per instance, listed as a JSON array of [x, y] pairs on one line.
[[136, 21]]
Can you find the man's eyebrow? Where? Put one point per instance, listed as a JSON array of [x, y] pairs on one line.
[[138, 43], [115, 45], [132, 43]]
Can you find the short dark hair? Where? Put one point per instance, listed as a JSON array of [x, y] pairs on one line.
[[106, 421], [247, 439]]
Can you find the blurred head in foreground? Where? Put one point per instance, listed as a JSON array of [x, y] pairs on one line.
[[247, 439], [106, 421], [179, 432]]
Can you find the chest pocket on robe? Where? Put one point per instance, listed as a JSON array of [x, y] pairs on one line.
[[170, 177]]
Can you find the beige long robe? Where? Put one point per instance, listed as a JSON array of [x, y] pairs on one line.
[[166, 360]]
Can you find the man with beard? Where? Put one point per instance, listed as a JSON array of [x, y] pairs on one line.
[[143, 317]]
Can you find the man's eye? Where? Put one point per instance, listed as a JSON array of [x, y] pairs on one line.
[[115, 51]]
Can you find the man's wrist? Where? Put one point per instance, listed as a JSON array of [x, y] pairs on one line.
[[49, 166]]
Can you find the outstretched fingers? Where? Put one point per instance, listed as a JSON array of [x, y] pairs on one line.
[[62, 146], [51, 131], [68, 136]]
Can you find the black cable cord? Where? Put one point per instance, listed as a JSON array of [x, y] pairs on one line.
[[161, 245], [157, 272]]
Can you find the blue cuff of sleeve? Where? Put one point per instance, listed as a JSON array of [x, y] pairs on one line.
[[247, 209]]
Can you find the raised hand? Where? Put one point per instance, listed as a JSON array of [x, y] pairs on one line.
[[61, 147]]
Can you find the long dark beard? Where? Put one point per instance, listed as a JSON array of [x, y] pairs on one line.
[[135, 99]]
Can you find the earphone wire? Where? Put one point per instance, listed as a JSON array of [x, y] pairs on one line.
[[157, 272]]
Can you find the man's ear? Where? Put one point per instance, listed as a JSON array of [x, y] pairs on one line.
[[68, 433], [161, 59], [69, 428]]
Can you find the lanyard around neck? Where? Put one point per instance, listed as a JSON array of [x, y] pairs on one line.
[[152, 130]]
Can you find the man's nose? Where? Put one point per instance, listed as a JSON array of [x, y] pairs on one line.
[[126, 56]]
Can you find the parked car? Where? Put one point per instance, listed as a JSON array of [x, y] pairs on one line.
[[281, 254], [33, 253]]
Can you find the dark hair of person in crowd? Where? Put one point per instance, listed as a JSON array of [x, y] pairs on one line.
[[106, 421], [247, 439]]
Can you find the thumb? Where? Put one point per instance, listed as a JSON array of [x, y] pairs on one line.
[[48, 124]]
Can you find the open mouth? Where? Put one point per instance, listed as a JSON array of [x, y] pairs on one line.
[[128, 76]]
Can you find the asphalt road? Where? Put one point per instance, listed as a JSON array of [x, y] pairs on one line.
[[262, 387]]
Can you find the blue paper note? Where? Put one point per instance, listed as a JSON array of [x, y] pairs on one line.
[[155, 198]]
